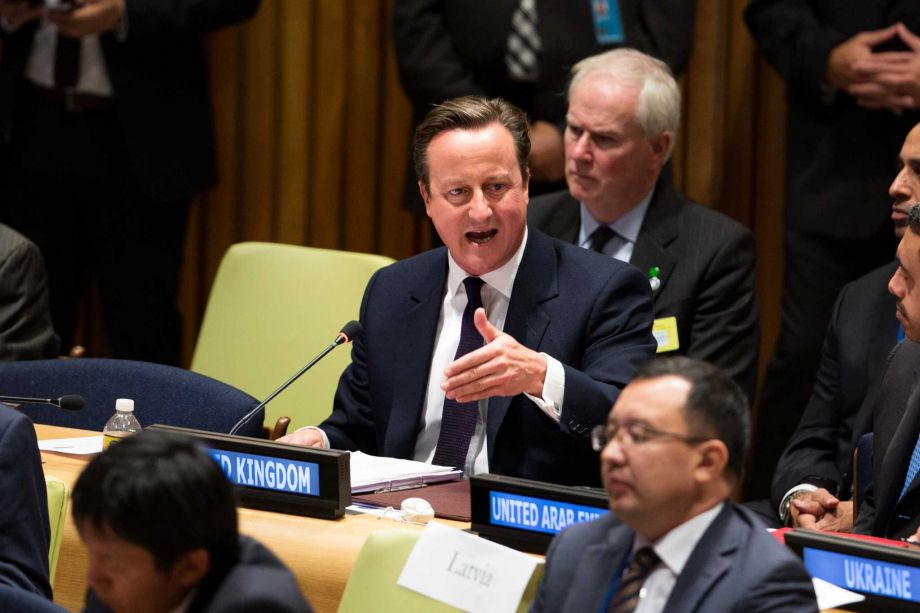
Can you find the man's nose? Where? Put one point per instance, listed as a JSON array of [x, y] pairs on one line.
[[901, 186], [581, 147], [480, 208]]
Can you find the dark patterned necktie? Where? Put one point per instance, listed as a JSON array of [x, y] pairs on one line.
[[627, 597], [522, 58], [458, 420], [600, 237], [66, 62]]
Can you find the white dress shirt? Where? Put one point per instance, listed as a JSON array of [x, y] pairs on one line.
[[626, 228], [674, 549], [93, 74]]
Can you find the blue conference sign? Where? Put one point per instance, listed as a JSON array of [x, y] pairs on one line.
[[269, 473], [864, 575], [537, 514]]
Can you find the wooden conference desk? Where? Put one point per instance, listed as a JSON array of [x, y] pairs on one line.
[[319, 552]]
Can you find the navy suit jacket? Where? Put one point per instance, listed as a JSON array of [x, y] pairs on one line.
[[25, 531], [896, 426], [591, 313], [707, 274], [862, 333], [735, 566]]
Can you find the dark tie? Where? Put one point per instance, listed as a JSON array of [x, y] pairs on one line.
[[458, 420], [66, 62], [627, 597], [600, 237], [522, 58]]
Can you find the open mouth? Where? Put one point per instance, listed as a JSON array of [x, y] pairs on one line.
[[481, 237]]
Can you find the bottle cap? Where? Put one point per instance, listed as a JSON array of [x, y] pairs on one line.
[[124, 405]]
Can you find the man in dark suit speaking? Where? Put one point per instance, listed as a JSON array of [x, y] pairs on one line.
[[671, 452], [624, 109], [500, 351]]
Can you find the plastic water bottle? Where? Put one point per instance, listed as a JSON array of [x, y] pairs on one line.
[[123, 423]]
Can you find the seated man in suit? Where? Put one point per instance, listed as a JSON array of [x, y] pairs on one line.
[[811, 486], [24, 526], [158, 518], [500, 351], [892, 504], [671, 452], [26, 332], [624, 109]]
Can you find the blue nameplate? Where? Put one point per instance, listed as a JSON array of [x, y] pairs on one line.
[[537, 514], [269, 473], [864, 575], [277, 477], [608, 24], [526, 514]]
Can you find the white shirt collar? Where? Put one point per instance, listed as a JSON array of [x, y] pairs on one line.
[[627, 226], [675, 547], [501, 279]]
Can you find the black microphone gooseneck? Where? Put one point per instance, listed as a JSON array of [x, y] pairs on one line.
[[349, 332], [70, 402]]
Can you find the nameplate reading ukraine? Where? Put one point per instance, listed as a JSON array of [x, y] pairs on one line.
[[864, 575]]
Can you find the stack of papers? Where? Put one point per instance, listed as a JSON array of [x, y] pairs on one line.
[[371, 473]]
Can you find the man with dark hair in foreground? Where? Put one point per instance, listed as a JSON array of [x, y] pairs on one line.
[[671, 452], [158, 518]]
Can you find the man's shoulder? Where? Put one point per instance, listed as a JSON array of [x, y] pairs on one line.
[[874, 280], [541, 207], [697, 218], [578, 536]]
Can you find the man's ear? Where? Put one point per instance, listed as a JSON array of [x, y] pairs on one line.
[[712, 460], [191, 567], [426, 198], [661, 143]]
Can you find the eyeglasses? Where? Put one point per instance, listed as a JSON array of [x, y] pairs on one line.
[[635, 433]]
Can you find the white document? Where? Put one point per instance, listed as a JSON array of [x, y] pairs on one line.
[[370, 473], [83, 445], [466, 571], [831, 596]]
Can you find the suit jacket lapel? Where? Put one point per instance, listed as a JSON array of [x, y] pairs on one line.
[[659, 229], [565, 222], [597, 567], [898, 457], [710, 560], [526, 321], [416, 330]]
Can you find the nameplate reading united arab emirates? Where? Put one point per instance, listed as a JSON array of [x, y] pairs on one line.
[[467, 572]]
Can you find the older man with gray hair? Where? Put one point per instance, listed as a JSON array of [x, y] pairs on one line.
[[624, 109]]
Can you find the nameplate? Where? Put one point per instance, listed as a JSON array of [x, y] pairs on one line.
[[277, 477], [665, 332], [526, 514], [466, 572], [888, 576]]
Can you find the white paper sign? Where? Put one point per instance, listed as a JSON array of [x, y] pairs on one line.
[[83, 445], [466, 571], [831, 596]]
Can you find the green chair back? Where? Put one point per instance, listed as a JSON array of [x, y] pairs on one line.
[[271, 309], [57, 513], [372, 583]]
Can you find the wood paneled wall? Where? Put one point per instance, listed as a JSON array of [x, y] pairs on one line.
[[313, 130]]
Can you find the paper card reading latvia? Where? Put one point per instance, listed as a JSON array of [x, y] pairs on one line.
[[466, 571]]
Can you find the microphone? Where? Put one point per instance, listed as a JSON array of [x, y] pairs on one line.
[[70, 402], [349, 332]]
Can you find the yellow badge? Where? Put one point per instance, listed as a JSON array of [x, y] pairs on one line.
[[665, 331]]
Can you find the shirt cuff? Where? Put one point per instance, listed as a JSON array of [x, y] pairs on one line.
[[320, 430], [553, 389], [802, 487]]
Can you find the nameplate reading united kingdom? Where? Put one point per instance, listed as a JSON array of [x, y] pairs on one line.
[[467, 572]]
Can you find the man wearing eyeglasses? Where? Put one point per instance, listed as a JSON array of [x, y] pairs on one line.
[[671, 452]]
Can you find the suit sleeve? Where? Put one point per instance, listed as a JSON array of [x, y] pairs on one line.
[[160, 18], [24, 526], [430, 70], [786, 588], [726, 321], [794, 41], [26, 332], [617, 341], [811, 454], [351, 424]]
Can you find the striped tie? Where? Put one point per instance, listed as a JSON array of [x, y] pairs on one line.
[[630, 591], [912, 470], [600, 237], [523, 56]]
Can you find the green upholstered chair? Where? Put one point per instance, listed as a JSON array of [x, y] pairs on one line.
[[372, 583], [57, 513], [271, 309]]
